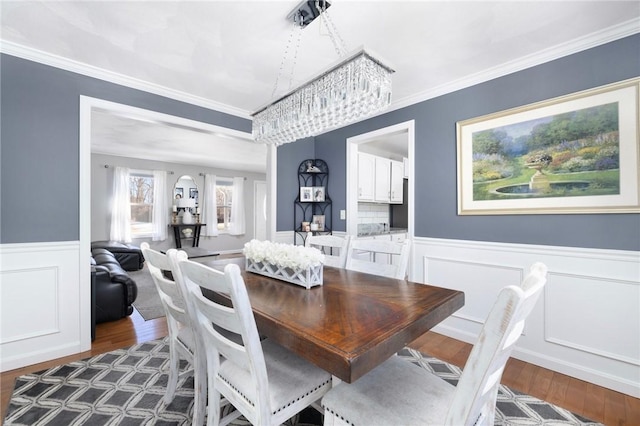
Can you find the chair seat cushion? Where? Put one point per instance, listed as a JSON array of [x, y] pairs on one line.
[[396, 392], [289, 377]]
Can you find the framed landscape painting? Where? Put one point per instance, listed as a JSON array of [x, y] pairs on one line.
[[574, 154]]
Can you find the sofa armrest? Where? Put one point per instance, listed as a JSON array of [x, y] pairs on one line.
[[129, 285], [129, 256], [108, 304]]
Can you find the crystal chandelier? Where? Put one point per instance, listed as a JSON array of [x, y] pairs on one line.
[[357, 87]]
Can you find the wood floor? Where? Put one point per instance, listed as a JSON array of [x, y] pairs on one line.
[[582, 398]]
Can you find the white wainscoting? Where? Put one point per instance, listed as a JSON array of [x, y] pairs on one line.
[[41, 317], [586, 324]]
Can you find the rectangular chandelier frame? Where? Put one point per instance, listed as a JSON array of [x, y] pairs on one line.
[[358, 86]]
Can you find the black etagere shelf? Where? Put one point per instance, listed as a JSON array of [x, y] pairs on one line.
[[312, 201]]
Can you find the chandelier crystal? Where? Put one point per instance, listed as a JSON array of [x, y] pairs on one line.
[[358, 87]]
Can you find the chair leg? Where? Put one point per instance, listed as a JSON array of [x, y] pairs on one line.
[[213, 410], [200, 390], [174, 366]]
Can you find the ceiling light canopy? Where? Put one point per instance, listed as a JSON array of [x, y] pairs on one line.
[[358, 86]]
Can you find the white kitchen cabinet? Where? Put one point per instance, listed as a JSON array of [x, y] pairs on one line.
[[382, 180], [397, 237], [366, 176], [379, 258], [396, 182]]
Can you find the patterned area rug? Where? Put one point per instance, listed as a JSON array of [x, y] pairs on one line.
[[126, 386]]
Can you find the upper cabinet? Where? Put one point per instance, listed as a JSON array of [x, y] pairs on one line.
[[366, 176], [382, 180], [379, 179], [397, 175]]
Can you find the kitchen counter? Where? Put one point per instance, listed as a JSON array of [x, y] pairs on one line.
[[371, 230]]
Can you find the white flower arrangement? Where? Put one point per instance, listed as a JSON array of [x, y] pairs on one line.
[[283, 255]]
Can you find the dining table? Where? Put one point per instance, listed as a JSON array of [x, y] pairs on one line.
[[348, 325]]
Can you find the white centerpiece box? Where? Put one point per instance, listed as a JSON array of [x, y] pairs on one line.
[[295, 264]]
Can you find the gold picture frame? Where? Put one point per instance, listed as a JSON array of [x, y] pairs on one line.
[[573, 154]]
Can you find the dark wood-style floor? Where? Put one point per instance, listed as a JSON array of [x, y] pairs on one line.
[[588, 400]]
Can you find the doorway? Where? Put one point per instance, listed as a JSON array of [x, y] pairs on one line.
[[87, 106], [399, 133]]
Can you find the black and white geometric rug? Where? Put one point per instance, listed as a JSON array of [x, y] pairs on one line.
[[125, 387]]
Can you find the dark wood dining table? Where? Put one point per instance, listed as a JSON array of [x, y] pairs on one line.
[[351, 323]]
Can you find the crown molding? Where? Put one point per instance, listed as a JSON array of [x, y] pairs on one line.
[[607, 35], [580, 44], [35, 55]]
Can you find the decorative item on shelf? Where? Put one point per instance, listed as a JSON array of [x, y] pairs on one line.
[[187, 232], [318, 193], [358, 86], [187, 218], [318, 219], [311, 168], [306, 226], [174, 214], [187, 204], [295, 264], [306, 194]]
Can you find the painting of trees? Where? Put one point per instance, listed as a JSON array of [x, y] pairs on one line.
[[577, 146]]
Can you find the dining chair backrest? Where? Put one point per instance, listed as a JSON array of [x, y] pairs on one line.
[[476, 392], [361, 257], [183, 341], [171, 296], [334, 248], [238, 319]]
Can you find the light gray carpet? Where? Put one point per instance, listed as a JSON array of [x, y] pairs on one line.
[[126, 386], [148, 302]]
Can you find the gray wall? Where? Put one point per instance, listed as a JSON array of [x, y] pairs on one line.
[[435, 155], [102, 192], [39, 153], [39, 159], [289, 158]]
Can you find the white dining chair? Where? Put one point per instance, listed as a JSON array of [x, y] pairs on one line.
[[267, 383], [330, 245], [400, 393], [361, 257], [182, 341]]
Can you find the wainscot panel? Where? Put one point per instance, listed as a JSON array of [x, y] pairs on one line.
[[40, 294], [586, 325]]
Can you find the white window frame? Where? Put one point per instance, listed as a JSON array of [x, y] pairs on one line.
[[226, 182], [142, 232]]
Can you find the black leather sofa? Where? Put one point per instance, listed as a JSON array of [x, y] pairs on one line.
[[115, 290], [128, 256]]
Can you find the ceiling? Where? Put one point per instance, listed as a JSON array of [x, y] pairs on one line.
[[227, 55]]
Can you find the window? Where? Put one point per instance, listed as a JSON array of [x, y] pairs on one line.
[[224, 201], [141, 199]]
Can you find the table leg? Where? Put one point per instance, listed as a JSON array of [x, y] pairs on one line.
[[176, 234], [196, 237]]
